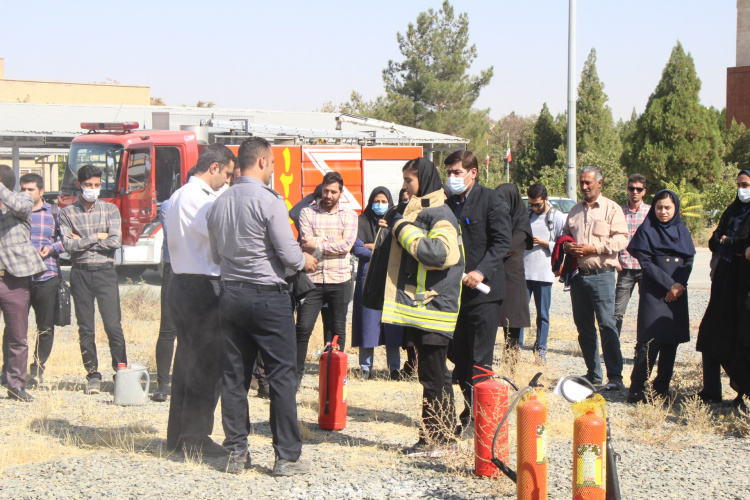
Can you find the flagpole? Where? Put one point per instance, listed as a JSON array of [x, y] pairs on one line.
[[507, 164], [487, 166]]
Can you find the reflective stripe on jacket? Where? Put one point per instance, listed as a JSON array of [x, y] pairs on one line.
[[425, 268]]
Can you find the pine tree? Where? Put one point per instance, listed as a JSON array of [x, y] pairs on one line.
[[547, 138], [595, 129], [676, 137]]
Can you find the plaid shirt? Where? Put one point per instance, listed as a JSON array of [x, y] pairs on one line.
[[634, 219], [45, 232], [17, 255], [334, 233], [88, 249]]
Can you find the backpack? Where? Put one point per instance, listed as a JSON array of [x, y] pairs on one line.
[[549, 219]]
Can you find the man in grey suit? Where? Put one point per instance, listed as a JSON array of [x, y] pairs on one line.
[[19, 260]]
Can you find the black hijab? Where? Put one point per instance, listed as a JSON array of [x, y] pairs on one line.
[[518, 214], [368, 221], [663, 238], [428, 176], [738, 211]]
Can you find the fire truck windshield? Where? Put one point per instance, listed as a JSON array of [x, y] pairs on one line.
[[107, 157]]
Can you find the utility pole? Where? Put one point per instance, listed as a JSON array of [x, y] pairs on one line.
[[570, 178]]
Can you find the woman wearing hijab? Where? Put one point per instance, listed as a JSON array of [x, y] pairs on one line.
[[664, 248], [515, 313], [422, 292], [367, 330], [718, 337]]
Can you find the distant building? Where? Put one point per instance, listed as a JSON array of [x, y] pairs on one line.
[[738, 78], [44, 161]]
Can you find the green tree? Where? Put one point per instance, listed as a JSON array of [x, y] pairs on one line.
[[595, 128], [718, 196], [676, 137]]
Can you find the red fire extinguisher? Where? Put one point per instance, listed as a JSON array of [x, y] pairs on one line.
[[332, 388], [490, 404], [531, 483], [590, 456]]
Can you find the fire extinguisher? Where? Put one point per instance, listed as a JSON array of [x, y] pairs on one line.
[[528, 445], [531, 460], [595, 473], [332, 387], [490, 404]]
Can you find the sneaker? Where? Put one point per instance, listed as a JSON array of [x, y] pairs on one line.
[[614, 385], [709, 399], [264, 392], [20, 395], [94, 386], [738, 403], [3, 380], [592, 379], [365, 374], [396, 375], [32, 383], [283, 467], [541, 358], [161, 394], [238, 462]]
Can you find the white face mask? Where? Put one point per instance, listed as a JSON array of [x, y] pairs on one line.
[[743, 194], [90, 195], [457, 184]]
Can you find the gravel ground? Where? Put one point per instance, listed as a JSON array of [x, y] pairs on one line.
[[116, 452]]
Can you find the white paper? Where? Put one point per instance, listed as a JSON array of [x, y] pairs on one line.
[[482, 287]]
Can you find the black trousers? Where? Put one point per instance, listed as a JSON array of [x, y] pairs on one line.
[[337, 296], [438, 400], [196, 375], [42, 298], [167, 332], [645, 358], [711, 377], [253, 321], [100, 285], [473, 345]]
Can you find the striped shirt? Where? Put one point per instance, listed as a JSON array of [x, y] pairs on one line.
[[45, 232], [333, 233], [633, 219], [88, 249]]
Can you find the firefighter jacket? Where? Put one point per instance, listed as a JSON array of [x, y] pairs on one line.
[[425, 267]]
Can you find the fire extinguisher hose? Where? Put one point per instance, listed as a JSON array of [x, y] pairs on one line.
[[504, 468]]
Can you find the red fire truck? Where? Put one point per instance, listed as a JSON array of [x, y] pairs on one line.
[[142, 168]]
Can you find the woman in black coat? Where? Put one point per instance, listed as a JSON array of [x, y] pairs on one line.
[[664, 248], [515, 312], [718, 332]]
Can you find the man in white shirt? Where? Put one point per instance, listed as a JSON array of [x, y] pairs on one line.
[[193, 298], [546, 226]]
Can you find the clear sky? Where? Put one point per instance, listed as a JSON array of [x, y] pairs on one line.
[[295, 55]]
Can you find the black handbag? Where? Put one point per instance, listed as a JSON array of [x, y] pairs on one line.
[[62, 304]]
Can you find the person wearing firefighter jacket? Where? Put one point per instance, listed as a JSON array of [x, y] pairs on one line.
[[422, 290]]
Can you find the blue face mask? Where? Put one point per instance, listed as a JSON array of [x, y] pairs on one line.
[[379, 208], [457, 185]]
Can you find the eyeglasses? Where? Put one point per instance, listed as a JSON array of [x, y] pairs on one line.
[[536, 205], [635, 189]]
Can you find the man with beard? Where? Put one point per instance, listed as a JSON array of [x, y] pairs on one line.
[[330, 230]]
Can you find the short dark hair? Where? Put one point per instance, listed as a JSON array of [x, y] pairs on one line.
[[214, 153], [87, 172], [7, 177], [467, 159], [251, 150], [537, 190], [35, 178], [332, 177], [663, 194], [637, 178]]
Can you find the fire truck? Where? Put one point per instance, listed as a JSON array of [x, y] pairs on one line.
[[142, 168]]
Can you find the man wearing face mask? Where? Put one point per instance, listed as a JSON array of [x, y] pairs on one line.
[[486, 232], [91, 231]]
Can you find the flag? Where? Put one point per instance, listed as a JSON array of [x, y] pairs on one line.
[[487, 162], [508, 156]]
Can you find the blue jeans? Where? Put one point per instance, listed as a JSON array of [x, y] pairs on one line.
[[594, 296], [392, 354], [542, 292]]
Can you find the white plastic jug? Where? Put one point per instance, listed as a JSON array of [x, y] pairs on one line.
[[129, 387]]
